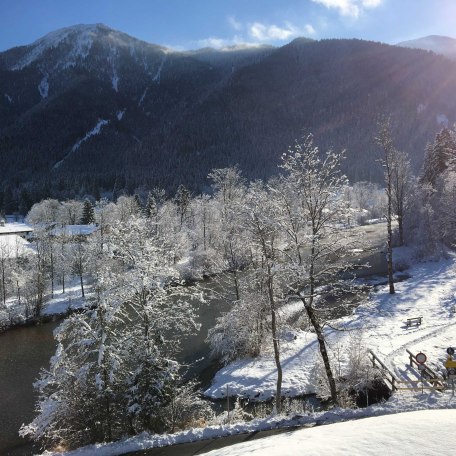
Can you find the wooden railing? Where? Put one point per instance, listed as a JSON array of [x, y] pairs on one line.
[[389, 378]]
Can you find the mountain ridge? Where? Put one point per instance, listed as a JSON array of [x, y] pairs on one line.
[[130, 116], [439, 44]]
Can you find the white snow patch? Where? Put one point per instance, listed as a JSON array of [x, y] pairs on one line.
[[80, 49], [442, 119], [95, 131], [143, 96], [43, 87], [15, 228], [115, 81], [14, 246], [74, 230], [8, 98], [120, 114], [425, 432], [157, 76]]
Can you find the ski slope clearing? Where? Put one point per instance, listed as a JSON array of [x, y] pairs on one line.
[[380, 325], [425, 432]]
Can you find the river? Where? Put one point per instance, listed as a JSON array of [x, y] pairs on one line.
[[25, 350]]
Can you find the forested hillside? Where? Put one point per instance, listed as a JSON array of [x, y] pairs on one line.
[[89, 110]]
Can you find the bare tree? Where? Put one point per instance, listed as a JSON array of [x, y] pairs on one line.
[[388, 161]]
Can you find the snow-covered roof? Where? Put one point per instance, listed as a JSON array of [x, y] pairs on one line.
[[11, 228], [13, 246], [74, 230]]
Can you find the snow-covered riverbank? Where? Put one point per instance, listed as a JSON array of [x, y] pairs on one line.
[[380, 322], [429, 293]]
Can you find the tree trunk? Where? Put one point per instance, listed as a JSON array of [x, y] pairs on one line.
[[82, 285], [400, 223], [390, 240], [275, 339], [324, 353]]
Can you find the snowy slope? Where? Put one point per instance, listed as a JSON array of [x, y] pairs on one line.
[[395, 405], [429, 293], [427, 432]]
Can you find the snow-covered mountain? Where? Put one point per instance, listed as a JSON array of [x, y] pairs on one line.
[[88, 109], [436, 43]]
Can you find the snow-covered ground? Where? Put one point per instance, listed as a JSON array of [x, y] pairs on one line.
[[60, 304], [380, 321], [429, 293], [398, 403], [426, 432]]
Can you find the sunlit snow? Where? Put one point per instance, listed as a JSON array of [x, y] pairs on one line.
[[95, 131], [379, 321], [424, 432], [81, 48]]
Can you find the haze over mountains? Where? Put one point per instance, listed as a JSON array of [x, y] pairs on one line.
[[439, 44], [88, 109]]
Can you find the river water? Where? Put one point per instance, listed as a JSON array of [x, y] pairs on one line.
[[24, 351]]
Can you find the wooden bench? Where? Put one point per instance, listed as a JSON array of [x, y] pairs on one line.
[[415, 321]]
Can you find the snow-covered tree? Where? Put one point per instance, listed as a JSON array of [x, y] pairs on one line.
[[88, 213], [45, 212], [317, 184], [70, 212]]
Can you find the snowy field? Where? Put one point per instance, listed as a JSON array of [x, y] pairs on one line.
[[380, 324]]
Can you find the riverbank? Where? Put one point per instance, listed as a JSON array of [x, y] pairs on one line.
[[54, 308], [151, 445], [378, 324]]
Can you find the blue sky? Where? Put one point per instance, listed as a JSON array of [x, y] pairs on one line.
[[191, 24]]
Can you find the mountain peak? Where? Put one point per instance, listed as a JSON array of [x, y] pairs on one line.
[[82, 36], [75, 43], [439, 44]]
